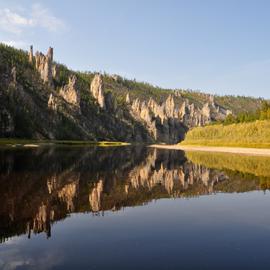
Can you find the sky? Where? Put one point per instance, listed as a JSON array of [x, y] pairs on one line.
[[216, 46]]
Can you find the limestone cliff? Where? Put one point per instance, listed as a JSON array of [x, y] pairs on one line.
[[42, 99], [70, 92], [44, 65], [168, 122], [97, 90]]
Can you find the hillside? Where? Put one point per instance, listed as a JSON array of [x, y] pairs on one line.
[[42, 99], [251, 134]]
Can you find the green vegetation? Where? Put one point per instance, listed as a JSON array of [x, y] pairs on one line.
[[143, 90], [244, 117], [23, 142], [253, 134], [247, 129], [26, 103]]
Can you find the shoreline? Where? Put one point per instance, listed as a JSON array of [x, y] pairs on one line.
[[14, 143], [219, 149]]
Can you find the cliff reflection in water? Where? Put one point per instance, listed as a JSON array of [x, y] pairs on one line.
[[41, 186]]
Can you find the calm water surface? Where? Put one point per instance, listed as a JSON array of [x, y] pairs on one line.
[[133, 208]]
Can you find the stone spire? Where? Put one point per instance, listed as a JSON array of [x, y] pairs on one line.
[[44, 66], [70, 92], [97, 90], [127, 98], [30, 55]]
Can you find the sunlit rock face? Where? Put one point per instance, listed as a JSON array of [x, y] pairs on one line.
[[161, 121], [44, 64], [127, 98], [168, 122], [30, 55], [52, 102], [70, 92], [97, 90]]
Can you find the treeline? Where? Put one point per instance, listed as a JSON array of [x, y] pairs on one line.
[[261, 114]]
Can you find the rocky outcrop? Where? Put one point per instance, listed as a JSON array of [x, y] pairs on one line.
[[44, 64], [55, 72], [97, 90], [52, 102], [161, 121], [110, 102], [121, 111], [70, 92], [127, 98], [30, 55], [105, 101], [168, 122]]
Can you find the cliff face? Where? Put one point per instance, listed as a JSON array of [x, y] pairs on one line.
[[42, 99]]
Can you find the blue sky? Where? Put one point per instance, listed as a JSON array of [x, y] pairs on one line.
[[216, 46]]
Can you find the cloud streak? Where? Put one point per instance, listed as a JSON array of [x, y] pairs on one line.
[[40, 17]]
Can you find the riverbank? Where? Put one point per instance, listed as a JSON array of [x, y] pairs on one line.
[[37, 143], [243, 135], [220, 149]]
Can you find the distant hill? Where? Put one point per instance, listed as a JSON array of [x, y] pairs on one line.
[[42, 99]]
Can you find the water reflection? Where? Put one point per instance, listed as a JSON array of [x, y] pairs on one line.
[[41, 186]]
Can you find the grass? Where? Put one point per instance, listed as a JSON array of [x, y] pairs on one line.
[[254, 134], [25, 142]]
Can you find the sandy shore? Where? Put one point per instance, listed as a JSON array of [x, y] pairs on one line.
[[234, 150]]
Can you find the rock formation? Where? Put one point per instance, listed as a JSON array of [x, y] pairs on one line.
[[161, 121], [55, 72], [168, 122], [97, 90], [127, 98], [44, 66], [70, 92], [52, 104], [30, 55], [145, 115], [110, 102]]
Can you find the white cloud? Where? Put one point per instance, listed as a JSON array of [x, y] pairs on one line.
[[13, 22], [40, 17]]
